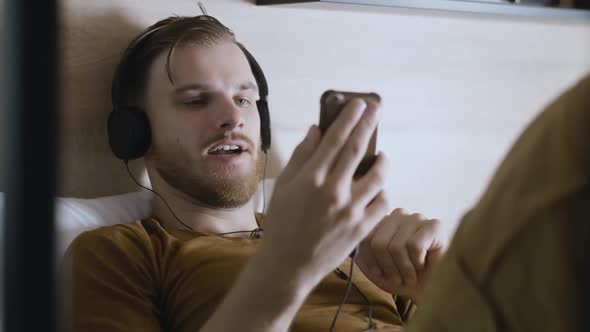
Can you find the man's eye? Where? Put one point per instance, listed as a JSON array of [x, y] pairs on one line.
[[244, 102], [195, 102]]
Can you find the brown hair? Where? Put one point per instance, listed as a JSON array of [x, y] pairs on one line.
[[130, 80]]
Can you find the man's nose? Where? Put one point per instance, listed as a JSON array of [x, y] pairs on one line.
[[230, 116]]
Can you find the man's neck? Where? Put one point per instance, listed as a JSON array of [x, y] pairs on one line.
[[202, 218]]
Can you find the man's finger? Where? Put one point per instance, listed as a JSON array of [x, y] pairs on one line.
[[367, 187], [379, 245], [399, 252], [367, 261], [301, 154], [422, 241], [374, 213], [356, 145], [334, 139], [398, 211], [433, 257]]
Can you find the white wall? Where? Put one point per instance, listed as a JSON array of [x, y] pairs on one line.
[[457, 88]]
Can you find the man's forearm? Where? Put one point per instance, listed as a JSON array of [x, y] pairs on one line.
[[265, 297]]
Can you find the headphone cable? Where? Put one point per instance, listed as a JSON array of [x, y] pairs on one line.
[[348, 286], [255, 233], [350, 283]]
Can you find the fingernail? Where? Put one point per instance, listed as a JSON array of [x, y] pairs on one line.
[[360, 106]]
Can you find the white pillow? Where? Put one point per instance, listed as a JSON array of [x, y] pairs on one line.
[[76, 215]]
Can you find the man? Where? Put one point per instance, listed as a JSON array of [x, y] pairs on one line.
[[195, 265]]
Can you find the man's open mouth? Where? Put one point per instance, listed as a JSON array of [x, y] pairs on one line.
[[226, 149]]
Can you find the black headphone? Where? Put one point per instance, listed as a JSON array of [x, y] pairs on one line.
[[128, 126]]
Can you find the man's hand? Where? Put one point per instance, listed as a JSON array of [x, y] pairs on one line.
[[316, 216], [400, 253], [319, 212]]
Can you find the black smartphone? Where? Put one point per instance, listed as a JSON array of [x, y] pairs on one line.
[[331, 104]]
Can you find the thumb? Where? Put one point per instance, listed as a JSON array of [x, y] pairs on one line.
[[301, 154], [433, 257]]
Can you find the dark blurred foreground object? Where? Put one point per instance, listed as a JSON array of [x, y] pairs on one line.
[[519, 260], [538, 2], [29, 102], [579, 4], [582, 4]]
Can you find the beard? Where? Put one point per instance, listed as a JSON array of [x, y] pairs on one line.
[[215, 187]]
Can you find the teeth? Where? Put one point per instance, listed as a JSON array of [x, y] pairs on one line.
[[226, 147]]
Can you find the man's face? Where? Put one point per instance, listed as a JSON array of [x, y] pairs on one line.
[[210, 108]]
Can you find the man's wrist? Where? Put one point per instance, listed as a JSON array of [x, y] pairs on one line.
[[265, 297], [292, 277]]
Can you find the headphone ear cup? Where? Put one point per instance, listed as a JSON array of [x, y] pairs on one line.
[[264, 124], [262, 104], [129, 132]]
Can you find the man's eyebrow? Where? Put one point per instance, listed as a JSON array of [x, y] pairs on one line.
[[248, 86], [205, 87], [191, 87]]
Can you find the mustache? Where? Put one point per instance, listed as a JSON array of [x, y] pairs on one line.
[[232, 136]]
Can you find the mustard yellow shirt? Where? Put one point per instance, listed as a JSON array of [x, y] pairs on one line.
[[142, 277]]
